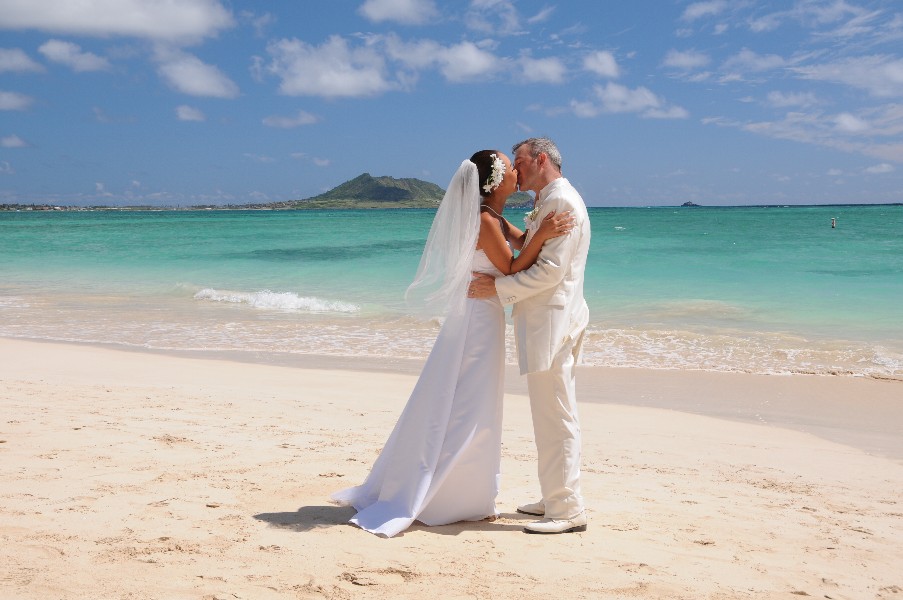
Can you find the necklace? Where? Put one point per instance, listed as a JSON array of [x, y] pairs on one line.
[[489, 208], [502, 222]]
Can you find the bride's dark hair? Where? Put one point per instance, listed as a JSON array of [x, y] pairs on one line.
[[483, 161]]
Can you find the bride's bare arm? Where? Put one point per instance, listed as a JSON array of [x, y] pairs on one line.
[[492, 241], [515, 236]]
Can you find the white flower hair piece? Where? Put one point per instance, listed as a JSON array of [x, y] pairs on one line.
[[498, 172]]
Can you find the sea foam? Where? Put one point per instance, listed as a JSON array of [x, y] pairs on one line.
[[269, 300]]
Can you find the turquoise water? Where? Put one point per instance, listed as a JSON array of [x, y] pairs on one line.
[[770, 290]]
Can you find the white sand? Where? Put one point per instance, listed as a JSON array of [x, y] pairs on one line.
[[130, 475]]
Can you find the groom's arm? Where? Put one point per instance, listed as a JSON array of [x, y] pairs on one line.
[[554, 259]]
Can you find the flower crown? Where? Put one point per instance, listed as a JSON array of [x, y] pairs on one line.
[[498, 172]]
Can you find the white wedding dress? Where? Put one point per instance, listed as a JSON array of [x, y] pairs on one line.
[[441, 463]]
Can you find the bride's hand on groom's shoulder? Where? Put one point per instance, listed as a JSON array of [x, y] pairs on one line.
[[555, 225]]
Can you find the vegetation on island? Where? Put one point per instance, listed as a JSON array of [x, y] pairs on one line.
[[362, 192], [366, 191]]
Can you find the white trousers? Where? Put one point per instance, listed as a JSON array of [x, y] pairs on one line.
[[556, 427]]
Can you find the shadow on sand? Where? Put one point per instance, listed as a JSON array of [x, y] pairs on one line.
[[308, 518]]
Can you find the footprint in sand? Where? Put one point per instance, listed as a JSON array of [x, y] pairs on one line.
[[387, 576]]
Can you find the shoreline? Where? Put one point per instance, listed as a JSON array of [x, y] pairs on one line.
[[861, 411], [665, 291], [142, 475]]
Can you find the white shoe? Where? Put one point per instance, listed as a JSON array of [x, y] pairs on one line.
[[536, 509], [578, 523]]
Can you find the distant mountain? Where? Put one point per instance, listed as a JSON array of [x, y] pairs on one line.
[[519, 200], [366, 191]]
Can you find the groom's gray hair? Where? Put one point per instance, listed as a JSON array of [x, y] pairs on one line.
[[538, 145]]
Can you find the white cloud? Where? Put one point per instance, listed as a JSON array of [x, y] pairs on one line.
[[782, 100], [302, 118], [260, 23], [71, 55], [880, 169], [12, 141], [187, 74], [493, 17], [406, 12], [860, 134], [862, 24], [542, 70], [616, 98], [15, 60], [881, 76], [420, 54], [317, 161], [189, 113], [668, 112], [6, 168], [887, 120], [766, 23], [847, 21], [585, 109], [331, 70], [698, 77], [462, 62], [257, 67], [14, 101], [467, 62], [825, 12], [541, 16], [848, 123], [686, 60], [602, 63], [338, 69], [173, 20], [746, 60], [697, 10]]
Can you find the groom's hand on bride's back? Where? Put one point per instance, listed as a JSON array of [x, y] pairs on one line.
[[481, 286]]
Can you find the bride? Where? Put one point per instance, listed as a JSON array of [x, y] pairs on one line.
[[441, 462]]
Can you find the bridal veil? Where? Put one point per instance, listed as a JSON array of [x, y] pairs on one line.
[[440, 285]]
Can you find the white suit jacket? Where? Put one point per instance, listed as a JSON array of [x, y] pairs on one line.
[[549, 307]]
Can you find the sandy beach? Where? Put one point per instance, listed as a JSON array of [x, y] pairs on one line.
[[150, 476]]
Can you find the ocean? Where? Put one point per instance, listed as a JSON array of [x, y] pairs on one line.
[[755, 289]]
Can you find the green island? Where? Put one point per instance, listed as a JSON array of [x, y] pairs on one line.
[[362, 192]]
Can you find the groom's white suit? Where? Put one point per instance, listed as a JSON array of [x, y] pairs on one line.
[[550, 316]]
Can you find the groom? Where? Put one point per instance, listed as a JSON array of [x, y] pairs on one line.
[[550, 316]]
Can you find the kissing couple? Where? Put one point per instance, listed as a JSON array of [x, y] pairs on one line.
[[441, 463]]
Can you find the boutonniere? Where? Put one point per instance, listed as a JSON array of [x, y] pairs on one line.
[[528, 218]]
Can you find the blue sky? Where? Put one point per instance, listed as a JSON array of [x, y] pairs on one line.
[[652, 102]]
